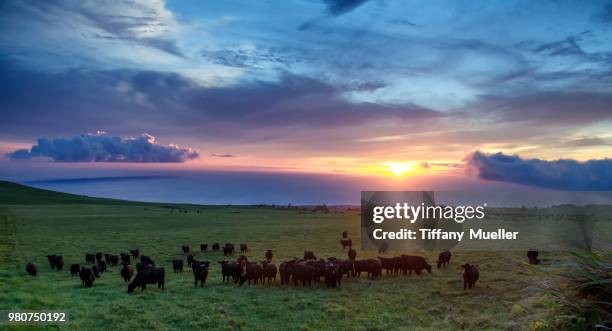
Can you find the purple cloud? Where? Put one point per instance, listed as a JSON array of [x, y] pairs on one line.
[[563, 174], [100, 147]]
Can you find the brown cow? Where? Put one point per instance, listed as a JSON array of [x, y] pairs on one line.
[[444, 259], [352, 254], [470, 275], [346, 243]]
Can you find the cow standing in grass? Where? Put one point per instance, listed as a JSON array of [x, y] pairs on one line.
[[200, 272], [90, 258], [470, 276], [87, 277], [177, 265], [31, 269], [127, 272], [444, 259], [75, 269], [148, 276]]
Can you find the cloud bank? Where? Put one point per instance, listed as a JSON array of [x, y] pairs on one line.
[[564, 174], [100, 147]]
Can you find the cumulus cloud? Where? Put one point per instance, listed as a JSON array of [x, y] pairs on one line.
[[100, 147], [564, 174]]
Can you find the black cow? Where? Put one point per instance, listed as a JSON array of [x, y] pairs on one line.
[[269, 255], [51, 259], [200, 272], [215, 247], [302, 272], [344, 234], [185, 249], [127, 272], [107, 257], [444, 259], [230, 270], [99, 256], [113, 259], [332, 274], [346, 243], [251, 272], [148, 276], [87, 277], [90, 258], [532, 255], [388, 264], [74, 269], [125, 258], [470, 276], [269, 271], [135, 253], [190, 260], [146, 261], [228, 249], [347, 268], [372, 267], [319, 269], [286, 271], [177, 265], [352, 254], [309, 256], [416, 263], [59, 262], [96, 270], [243, 248], [101, 266], [31, 269], [203, 247], [56, 261]]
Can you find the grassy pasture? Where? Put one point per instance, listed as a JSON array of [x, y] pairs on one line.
[[506, 297]]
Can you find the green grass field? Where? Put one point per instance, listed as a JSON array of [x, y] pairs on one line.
[[35, 223]]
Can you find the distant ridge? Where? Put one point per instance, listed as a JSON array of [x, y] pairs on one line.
[[18, 194], [91, 179]]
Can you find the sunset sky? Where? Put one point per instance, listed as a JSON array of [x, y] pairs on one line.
[[355, 87]]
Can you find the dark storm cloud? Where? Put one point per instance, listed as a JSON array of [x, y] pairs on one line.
[[103, 148], [564, 174], [170, 104]]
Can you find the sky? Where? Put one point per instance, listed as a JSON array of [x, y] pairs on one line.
[[517, 92]]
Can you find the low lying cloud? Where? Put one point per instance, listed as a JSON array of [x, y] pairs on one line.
[[564, 174], [222, 155], [100, 147]]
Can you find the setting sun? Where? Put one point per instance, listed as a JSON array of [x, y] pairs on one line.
[[400, 169]]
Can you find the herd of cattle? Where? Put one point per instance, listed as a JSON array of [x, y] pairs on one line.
[[302, 271]]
